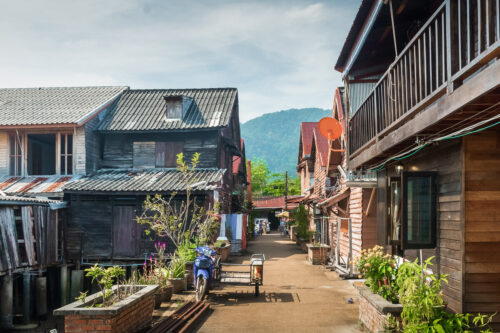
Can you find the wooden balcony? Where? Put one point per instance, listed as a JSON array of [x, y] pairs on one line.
[[428, 89]]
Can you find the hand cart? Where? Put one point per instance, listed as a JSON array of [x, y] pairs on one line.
[[248, 274]]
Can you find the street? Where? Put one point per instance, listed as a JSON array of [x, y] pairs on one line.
[[296, 296]]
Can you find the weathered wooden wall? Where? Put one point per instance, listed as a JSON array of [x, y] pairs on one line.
[[369, 213], [28, 237], [119, 152], [92, 142], [482, 222], [4, 153], [446, 159]]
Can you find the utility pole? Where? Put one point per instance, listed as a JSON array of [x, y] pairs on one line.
[[286, 190]]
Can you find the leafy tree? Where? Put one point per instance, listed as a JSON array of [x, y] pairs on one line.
[[266, 184]]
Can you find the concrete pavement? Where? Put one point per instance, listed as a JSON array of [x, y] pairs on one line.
[[296, 296]]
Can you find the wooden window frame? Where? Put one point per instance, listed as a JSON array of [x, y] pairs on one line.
[[18, 153], [389, 223], [433, 202], [63, 156]]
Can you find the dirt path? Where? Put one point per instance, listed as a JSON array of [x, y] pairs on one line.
[[296, 296]]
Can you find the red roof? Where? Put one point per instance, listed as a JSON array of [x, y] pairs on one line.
[[321, 147], [273, 203], [306, 135]]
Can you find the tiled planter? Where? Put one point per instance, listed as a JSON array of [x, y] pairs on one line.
[[317, 255], [373, 310], [132, 314]]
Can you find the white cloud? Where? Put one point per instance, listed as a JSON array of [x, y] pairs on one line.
[[279, 54]]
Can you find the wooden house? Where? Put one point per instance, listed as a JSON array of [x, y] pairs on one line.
[[422, 81], [349, 211], [46, 141], [140, 138]]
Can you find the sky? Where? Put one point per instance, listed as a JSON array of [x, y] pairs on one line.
[[279, 54]]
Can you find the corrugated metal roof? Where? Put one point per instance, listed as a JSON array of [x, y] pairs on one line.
[[306, 135], [358, 92], [147, 180], [6, 199], [52, 105], [145, 110], [274, 203], [321, 147], [35, 184]]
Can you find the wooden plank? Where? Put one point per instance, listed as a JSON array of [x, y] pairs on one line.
[[27, 212], [144, 154], [9, 237], [40, 221]]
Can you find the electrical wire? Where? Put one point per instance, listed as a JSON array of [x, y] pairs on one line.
[[455, 135]]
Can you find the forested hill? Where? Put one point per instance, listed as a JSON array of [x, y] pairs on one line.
[[274, 137]]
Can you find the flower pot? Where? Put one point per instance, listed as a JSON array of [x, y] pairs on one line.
[[163, 294], [189, 274], [178, 284]]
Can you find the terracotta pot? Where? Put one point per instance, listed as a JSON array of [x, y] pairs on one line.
[[163, 295], [178, 284]]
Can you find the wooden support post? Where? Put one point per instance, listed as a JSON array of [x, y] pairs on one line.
[[64, 285], [26, 298], [6, 304], [41, 296], [370, 202], [76, 284]]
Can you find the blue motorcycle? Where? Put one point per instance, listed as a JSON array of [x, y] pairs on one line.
[[203, 271]]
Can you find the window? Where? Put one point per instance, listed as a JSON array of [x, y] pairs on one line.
[[177, 106], [41, 158], [394, 211], [15, 155], [66, 156], [311, 180], [419, 210], [166, 153]]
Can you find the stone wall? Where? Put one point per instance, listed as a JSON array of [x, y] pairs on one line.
[[373, 310]]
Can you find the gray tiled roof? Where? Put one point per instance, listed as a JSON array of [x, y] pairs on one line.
[[145, 110], [53, 105], [148, 180]]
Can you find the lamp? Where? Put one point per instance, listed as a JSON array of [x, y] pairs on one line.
[[399, 168]]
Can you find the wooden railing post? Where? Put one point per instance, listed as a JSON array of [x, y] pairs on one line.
[[451, 44]]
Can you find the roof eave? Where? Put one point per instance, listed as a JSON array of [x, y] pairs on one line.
[[100, 108]]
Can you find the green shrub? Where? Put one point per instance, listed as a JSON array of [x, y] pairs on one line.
[[301, 217]]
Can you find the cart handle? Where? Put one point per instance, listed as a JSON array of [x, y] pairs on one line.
[[261, 256]]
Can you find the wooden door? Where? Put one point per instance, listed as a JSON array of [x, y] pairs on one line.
[[124, 231]]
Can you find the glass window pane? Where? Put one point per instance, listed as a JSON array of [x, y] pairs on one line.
[[18, 167], [63, 165], [70, 165], [70, 143], [12, 144], [395, 210], [63, 143], [419, 208], [12, 166]]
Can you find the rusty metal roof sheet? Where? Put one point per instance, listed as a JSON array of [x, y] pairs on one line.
[[145, 110], [15, 199], [147, 180], [34, 184], [53, 105]]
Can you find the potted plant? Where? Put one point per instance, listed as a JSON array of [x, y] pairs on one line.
[[177, 274], [187, 252], [223, 248], [117, 306]]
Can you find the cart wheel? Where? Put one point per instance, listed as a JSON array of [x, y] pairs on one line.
[[256, 293], [201, 288]]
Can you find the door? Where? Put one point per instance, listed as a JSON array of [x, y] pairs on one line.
[[124, 231]]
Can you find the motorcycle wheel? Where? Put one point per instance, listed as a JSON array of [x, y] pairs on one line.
[[201, 288], [256, 292]]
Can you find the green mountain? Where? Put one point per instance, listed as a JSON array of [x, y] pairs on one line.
[[274, 137]]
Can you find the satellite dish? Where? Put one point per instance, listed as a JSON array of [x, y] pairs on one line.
[[330, 128]]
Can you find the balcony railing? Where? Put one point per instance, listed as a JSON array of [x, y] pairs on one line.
[[456, 39]]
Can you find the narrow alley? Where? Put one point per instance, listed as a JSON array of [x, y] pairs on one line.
[[296, 296]]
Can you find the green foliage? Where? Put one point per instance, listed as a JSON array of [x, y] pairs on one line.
[[83, 296], [187, 250], [265, 183], [419, 292], [380, 271], [301, 217], [177, 268], [274, 137], [173, 219], [105, 279]]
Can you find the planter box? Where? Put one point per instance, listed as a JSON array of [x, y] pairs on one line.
[[373, 309], [131, 314], [163, 295], [317, 255]]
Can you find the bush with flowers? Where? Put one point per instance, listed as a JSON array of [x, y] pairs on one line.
[[380, 271]]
